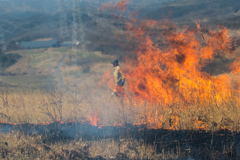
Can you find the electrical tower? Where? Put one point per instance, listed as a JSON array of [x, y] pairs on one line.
[[64, 33], [2, 40], [24, 7], [81, 33], [74, 34]]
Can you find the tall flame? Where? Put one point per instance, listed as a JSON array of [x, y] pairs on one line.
[[168, 65], [93, 120]]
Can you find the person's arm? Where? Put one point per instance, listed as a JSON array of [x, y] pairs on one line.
[[122, 74], [115, 75]]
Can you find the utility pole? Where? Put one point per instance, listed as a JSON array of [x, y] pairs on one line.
[[24, 7], [63, 19], [74, 34], [2, 40], [80, 26], [12, 4], [45, 8]]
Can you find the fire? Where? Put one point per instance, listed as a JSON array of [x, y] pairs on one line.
[[168, 66], [93, 120], [174, 72], [201, 125], [4, 122], [236, 66], [119, 6]]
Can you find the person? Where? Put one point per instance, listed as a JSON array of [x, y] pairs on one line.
[[118, 77]]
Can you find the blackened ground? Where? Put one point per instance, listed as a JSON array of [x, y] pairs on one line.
[[197, 144]]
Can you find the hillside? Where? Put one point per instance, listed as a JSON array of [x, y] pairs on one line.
[[98, 32], [187, 12]]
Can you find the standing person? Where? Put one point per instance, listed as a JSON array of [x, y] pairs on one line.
[[118, 77]]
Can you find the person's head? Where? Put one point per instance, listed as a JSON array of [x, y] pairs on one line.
[[115, 63]]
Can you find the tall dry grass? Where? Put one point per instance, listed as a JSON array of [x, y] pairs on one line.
[[19, 146], [36, 106], [40, 106]]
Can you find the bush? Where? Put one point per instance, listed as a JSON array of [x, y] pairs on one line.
[[7, 60]]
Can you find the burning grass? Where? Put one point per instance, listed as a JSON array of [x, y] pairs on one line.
[[167, 87], [93, 106], [169, 67], [99, 110], [166, 75]]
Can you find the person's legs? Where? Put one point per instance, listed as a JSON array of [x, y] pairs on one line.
[[120, 91], [121, 83]]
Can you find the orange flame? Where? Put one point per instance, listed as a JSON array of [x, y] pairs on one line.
[[119, 6], [93, 120], [168, 66], [162, 73], [201, 125]]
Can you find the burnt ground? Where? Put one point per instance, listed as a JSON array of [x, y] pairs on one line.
[[198, 144]]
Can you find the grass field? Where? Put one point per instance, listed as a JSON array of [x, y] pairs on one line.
[[60, 87], [204, 132], [33, 82], [38, 67], [56, 103], [19, 146], [34, 98]]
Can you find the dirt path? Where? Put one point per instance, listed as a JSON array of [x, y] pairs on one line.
[[60, 63]]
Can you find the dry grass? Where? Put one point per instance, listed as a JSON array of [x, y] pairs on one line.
[[39, 107], [19, 146], [22, 66], [26, 106], [83, 98]]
